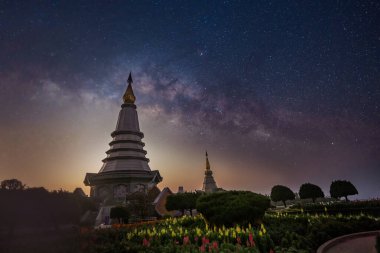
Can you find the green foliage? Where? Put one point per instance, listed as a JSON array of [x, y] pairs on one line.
[[281, 193], [182, 201], [12, 184], [232, 207], [121, 213], [368, 207], [173, 202], [305, 233], [342, 188], [310, 191]]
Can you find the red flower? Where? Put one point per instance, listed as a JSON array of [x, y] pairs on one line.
[[146, 243], [238, 240], [205, 240], [186, 240], [215, 245], [251, 241]]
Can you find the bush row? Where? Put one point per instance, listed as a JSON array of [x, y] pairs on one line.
[[305, 233], [369, 207]]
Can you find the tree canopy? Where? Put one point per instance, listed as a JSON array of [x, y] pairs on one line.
[[120, 213], [232, 207], [281, 193], [182, 201], [12, 184], [342, 188], [39, 207], [310, 191]]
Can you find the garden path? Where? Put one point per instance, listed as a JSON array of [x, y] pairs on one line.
[[364, 244]]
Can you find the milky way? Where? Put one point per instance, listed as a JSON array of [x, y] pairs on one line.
[[277, 92]]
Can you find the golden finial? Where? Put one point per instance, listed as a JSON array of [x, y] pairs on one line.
[[129, 97]]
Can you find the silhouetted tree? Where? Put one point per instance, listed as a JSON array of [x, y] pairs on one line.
[[175, 202], [310, 191], [191, 201], [139, 204], [34, 207], [281, 193], [12, 184], [120, 213], [342, 188], [182, 202], [153, 193]]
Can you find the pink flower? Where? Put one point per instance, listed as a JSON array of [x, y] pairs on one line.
[[202, 248], [146, 243], [215, 245], [205, 240], [196, 238], [186, 240]]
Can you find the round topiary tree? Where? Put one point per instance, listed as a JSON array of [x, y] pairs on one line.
[[232, 207], [281, 193], [342, 188], [310, 191]]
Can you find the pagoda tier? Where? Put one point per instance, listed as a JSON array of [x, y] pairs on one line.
[[126, 149]]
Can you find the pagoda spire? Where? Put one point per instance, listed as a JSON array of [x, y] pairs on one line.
[[207, 162], [129, 96], [209, 184]]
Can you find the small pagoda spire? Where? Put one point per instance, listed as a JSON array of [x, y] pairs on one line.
[[209, 184], [207, 162], [129, 96]]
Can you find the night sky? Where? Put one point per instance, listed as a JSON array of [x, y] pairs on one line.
[[284, 92]]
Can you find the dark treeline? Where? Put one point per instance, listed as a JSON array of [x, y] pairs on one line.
[[37, 207]]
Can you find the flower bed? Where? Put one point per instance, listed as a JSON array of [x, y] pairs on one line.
[[186, 234], [299, 233]]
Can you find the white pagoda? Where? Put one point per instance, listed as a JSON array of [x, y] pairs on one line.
[[125, 170], [209, 184]]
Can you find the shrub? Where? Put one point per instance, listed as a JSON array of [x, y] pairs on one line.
[[232, 207], [182, 202], [307, 232], [368, 207]]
